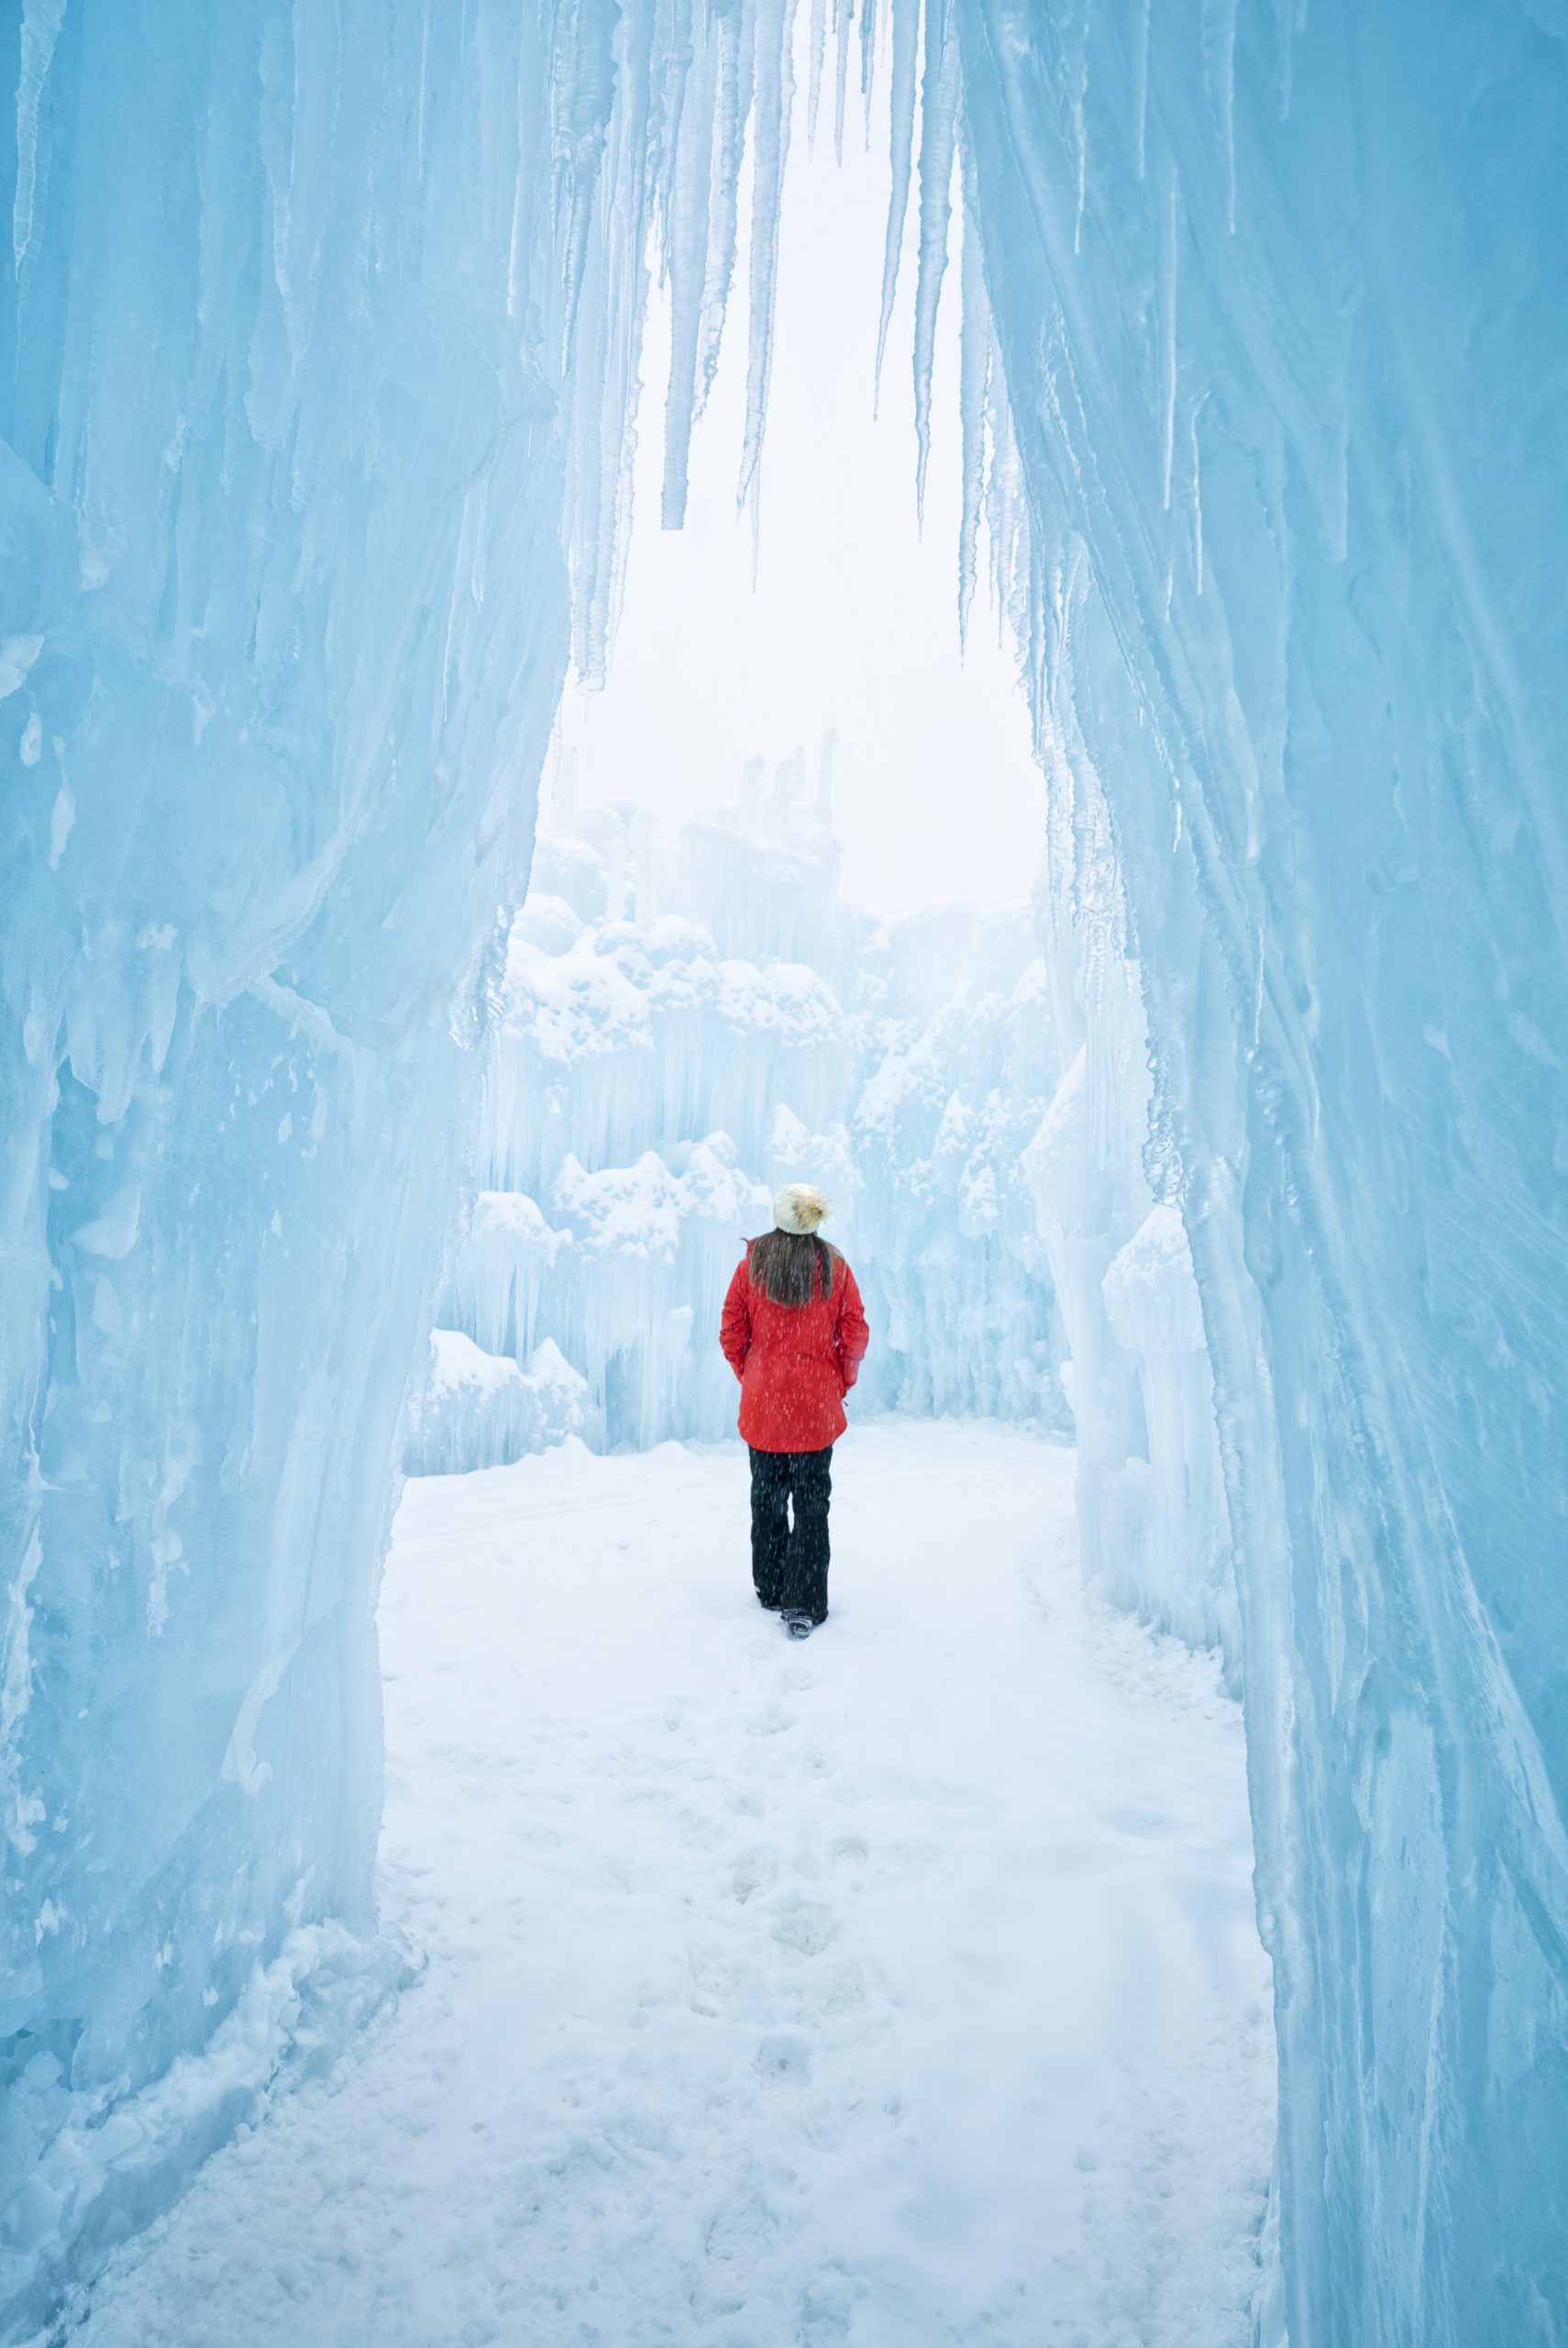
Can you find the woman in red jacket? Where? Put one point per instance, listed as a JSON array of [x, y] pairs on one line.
[[794, 1332]]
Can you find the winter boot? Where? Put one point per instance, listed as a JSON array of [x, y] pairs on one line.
[[799, 1625]]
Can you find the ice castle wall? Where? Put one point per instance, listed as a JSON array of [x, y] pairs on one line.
[[648, 1085], [319, 353], [1280, 296], [282, 465]]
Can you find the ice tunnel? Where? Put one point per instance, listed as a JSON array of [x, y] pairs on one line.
[[321, 343]]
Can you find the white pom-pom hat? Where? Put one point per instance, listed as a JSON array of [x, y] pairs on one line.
[[799, 1209]]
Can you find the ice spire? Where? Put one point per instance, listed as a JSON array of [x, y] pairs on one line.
[[775, 96], [938, 143], [901, 120]]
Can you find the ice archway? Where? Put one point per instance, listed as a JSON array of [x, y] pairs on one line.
[[321, 332]]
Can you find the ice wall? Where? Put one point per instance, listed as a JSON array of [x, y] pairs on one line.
[[1279, 297], [648, 1085], [282, 617], [319, 350], [1154, 1530]]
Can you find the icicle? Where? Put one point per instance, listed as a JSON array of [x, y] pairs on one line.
[[870, 10], [974, 350], [579, 141], [901, 109], [844, 25], [775, 97], [673, 48], [41, 21], [607, 282], [814, 83], [734, 106], [939, 124], [1141, 81], [685, 246]]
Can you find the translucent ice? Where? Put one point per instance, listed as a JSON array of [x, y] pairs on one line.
[[281, 466], [1279, 296]]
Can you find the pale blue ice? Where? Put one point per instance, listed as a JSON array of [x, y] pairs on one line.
[[318, 347]]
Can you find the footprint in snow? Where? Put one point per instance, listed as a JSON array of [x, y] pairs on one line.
[[784, 2055], [754, 1871], [804, 1925], [774, 1722]]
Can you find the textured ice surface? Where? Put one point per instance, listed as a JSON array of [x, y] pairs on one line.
[[318, 347], [1280, 298], [281, 463], [1263, 317], [681, 1029]]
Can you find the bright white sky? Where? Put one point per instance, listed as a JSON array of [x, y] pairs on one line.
[[853, 623]]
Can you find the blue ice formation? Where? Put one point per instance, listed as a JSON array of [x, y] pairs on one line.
[[321, 344], [282, 464], [1279, 297], [679, 1030]]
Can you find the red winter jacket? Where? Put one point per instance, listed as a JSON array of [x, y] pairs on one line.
[[795, 1362]]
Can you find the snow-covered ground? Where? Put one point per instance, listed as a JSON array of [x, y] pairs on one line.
[[900, 1990]]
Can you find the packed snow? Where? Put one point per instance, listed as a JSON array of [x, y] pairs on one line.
[[901, 1988]]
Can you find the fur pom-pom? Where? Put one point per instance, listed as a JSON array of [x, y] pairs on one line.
[[799, 1209]]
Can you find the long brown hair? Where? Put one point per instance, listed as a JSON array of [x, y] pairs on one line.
[[792, 1267]]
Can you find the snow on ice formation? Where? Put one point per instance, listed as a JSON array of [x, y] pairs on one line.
[[311, 434], [648, 1087]]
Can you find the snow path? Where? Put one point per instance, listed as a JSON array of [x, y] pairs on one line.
[[897, 1990]]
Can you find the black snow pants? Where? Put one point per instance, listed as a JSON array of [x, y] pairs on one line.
[[790, 1561]]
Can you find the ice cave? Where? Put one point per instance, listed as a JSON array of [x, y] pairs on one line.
[[438, 1908]]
